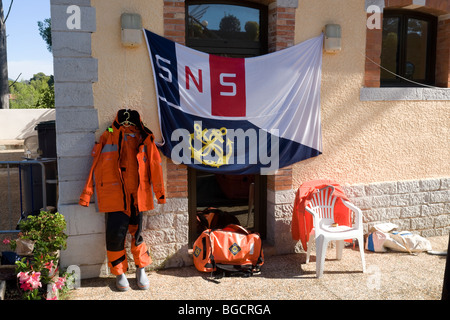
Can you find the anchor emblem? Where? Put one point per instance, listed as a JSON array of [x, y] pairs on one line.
[[208, 146]]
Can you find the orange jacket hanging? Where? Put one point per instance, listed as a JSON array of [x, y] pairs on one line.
[[302, 222], [126, 164]]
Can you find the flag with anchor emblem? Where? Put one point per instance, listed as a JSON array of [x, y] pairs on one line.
[[238, 115]]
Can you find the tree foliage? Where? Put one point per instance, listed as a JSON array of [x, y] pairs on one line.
[[37, 92], [45, 30], [230, 23]]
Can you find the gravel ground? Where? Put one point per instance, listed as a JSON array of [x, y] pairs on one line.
[[392, 275]]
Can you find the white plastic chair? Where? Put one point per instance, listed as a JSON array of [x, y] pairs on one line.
[[321, 207]]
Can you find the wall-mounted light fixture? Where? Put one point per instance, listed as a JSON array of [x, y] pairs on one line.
[[332, 39], [131, 24]]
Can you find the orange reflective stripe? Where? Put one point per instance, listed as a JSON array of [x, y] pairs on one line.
[[117, 261]]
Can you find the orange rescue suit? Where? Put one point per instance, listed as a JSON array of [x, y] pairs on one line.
[[125, 167], [126, 162]]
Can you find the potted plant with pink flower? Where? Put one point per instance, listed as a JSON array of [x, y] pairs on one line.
[[30, 283], [38, 275]]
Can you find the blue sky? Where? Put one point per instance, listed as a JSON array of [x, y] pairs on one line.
[[27, 51]]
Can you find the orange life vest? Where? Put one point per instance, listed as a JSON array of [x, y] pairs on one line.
[[302, 222], [126, 164]]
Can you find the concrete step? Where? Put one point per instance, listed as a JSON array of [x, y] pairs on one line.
[[11, 144], [11, 150]]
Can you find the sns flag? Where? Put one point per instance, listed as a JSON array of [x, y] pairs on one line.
[[238, 115]]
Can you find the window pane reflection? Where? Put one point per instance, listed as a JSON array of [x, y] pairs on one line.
[[223, 22], [389, 51], [416, 49], [408, 48]]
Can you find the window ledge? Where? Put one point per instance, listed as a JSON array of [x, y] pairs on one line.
[[396, 94]]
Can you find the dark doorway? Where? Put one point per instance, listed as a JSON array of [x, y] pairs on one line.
[[231, 29]]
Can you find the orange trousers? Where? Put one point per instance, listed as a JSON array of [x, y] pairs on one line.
[[117, 225]]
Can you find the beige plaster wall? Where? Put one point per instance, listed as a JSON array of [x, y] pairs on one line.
[[125, 77], [367, 142], [363, 142]]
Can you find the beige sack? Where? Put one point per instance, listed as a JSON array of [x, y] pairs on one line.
[[24, 247]]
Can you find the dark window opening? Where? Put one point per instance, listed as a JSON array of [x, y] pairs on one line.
[[408, 48], [232, 28]]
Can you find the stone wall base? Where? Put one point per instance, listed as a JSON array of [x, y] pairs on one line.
[[421, 206]]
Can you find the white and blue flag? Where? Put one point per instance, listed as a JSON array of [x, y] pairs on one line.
[[238, 115]]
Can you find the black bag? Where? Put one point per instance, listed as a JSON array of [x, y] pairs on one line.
[[213, 218]]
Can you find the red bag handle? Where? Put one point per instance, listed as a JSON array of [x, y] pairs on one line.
[[236, 228]]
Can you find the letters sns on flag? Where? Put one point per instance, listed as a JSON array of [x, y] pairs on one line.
[[236, 115]]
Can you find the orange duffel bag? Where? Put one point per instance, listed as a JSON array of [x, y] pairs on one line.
[[232, 249]]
